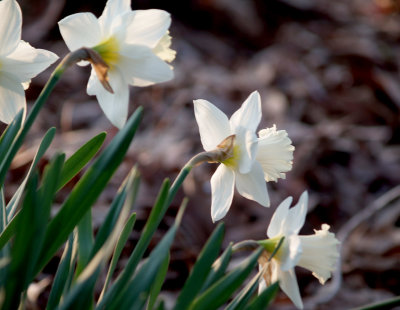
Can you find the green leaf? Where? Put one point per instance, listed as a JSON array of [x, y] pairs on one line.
[[85, 282], [201, 269], [218, 268], [87, 190], [47, 191], [81, 295], [24, 244], [3, 214], [44, 145], [152, 223], [87, 249], [123, 238], [115, 209], [30, 231], [157, 283], [85, 242], [9, 231], [80, 158], [220, 292], [61, 276], [8, 137], [241, 300], [264, 299], [135, 294]]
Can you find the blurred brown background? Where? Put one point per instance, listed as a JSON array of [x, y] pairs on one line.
[[327, 72]]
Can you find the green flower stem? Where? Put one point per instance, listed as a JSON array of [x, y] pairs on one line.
[[384, 305], [194, 161], [246, 245], [270, 245], [68, 60]]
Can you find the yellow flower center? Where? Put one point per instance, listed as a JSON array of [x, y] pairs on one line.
[[109, 51], [233, 161]]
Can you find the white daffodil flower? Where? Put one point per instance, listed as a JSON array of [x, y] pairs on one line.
[[134, 45], [317, 253], [19, 62], [253, 161]]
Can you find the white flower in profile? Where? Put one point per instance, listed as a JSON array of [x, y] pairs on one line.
[[134, 45], [253, 160], [318, 253], [19, 62]]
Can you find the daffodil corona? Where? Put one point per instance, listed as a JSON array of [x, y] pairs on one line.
[[318, 253], [135, 45], [19, 62], [252, 161]]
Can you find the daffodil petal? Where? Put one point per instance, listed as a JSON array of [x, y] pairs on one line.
[[278, 219], [80, 30], [114, 106], [291, 253], [147, 27], [113, 9], [222, 187], [288, 284], [10, 25], [297, 215], [25, 62], [252, 185], [247, 140], [141, 67], [213, 124], [12, 98], [249, 114]]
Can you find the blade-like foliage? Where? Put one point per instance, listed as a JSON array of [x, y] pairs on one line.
[[220, 292], [30, 231], [241, 299], [152, 223], [61, 276], [44, 145], [87, 190], [201, 269], [85, 282], [264, 299], [115, 209], [135, 294], [118, 250], [157, 283], [80, 158], [218, 268], [6, 141]]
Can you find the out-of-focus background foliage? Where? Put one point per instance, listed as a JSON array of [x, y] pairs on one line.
[[327, 72]]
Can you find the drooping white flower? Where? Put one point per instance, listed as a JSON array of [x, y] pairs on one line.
[[19, 62], [253, 161], [134, 45], [317, 253]]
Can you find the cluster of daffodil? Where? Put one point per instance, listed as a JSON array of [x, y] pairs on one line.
[[126, 47]]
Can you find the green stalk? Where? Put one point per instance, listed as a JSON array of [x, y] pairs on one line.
[[194, 161]]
